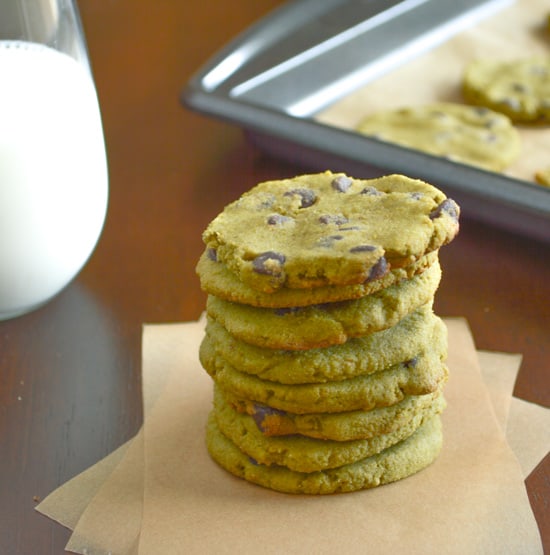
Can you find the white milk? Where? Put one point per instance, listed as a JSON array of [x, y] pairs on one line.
[[53, 173]]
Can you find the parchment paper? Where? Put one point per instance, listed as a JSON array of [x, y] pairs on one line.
[[518, 31], [189, 505], [471, 500], [68, 502]]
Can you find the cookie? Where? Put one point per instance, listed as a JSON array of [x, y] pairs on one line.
[[300, 453], [423, 374], [415, 333], [466, 134], [542, 177], [326, 324], [329, 229], [520, 88], [217, 280], [394, 463], [340, 426]]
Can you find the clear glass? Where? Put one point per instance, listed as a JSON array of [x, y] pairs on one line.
[[53, 165]]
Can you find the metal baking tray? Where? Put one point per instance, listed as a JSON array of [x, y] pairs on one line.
[[273, 78]]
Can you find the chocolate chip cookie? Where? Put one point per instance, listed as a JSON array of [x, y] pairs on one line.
[[327, 324], [542, 177], [339, 426], [305, 454], [218, 281], [417, 332], [394, 463], [423, 374], [329, 229], [520, 89], [466, 134]]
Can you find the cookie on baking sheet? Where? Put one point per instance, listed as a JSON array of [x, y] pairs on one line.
[[339, 426], [394, 463], [217, 280], [542, 177], [326, 324], [475, 136], [417, 332], [329, 229], [519, 88], [423, 374], [300, 453]]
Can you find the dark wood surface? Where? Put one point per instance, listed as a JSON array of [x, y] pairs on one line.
[[70, 372]]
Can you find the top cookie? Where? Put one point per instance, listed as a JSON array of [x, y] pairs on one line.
[[519, 88], [329, 229], [471, 135]]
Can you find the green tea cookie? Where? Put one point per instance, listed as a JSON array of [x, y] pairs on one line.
[[415, 333], [304, 454], [329, 229], [542, 177], [475, 136], [518, 88], [340, 426], [398, 461], [423, 374], [326, 324], [217, 280]]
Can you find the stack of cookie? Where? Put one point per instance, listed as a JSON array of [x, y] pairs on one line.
[[327, 359]]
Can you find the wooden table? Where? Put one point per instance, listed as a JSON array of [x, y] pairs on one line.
[[70, 372]]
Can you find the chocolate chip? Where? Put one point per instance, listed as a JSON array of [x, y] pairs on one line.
[[253, 461], [380, 269], [331, 306], [337, 219], [307, 196], [267, 202], [493, 122], [341, 183], [328, 241], [269, 263], [260, 413], [518, 87], [512, 103], [411, 363], [480, 110], [212, 254], [439, 114], [286, 310], [362, 248], [278, 219], [371, 191], [449, 207]]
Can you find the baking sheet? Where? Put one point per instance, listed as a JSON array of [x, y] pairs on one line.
[[518, 31], [299, 81]]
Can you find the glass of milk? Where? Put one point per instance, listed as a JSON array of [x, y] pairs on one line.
[[53, 167]]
